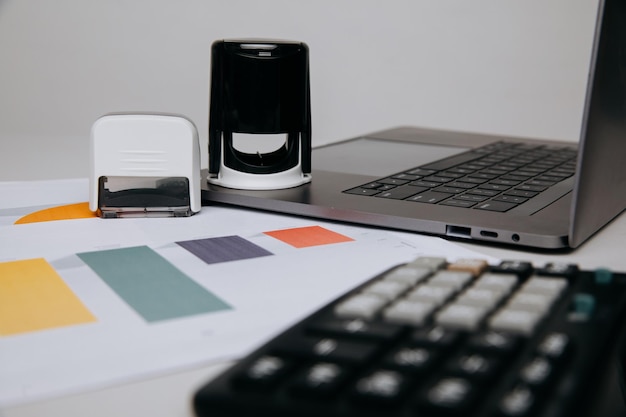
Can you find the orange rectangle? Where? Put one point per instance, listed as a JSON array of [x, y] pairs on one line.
[[302, 237], [34, 297]]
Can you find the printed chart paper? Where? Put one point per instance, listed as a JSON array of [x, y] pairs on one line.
[[137, 298]]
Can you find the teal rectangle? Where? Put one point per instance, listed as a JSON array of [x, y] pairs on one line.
[[150, 284]]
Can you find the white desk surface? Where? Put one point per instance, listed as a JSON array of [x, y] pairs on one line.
[[170, 395]]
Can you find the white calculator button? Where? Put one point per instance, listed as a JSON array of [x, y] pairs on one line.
[[360, 305], [409, 312]]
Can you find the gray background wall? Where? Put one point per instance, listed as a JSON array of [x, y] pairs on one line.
[[515, 67]]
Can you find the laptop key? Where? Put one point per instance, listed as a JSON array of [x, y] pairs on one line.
[[528, 187], [521, 193], [421, 171], [407, 177], [400, 193], [430, 197], [362, 191], [393, 181], [499, 206], [472, 197], [437, 178], [494, 187], [541, 183], [458, 203], [461, 184], [486, 193], [449, 190], [511, 199], [505, 182]]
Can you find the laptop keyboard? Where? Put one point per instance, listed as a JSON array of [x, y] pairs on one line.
[[438, 338], [495, 177]]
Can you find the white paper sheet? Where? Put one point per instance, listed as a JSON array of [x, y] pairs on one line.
[[267, 293]]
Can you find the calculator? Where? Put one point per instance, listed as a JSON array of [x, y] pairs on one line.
[[433, 337]]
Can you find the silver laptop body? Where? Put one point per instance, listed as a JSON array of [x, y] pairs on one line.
[[561, 216]]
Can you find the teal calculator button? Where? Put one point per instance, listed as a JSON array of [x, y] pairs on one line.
[[584, 305], [603, 276]]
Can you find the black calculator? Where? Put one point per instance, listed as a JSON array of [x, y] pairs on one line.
[[436, 338]]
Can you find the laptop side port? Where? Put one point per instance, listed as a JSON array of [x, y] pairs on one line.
[[458, 231], [486, 233]]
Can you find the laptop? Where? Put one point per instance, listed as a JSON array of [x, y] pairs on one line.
[[504, 190]]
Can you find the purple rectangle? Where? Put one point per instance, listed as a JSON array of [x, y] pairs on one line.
[[224, 249]]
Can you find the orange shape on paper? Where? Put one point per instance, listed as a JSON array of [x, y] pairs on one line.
[[67, 212], [302, 237]]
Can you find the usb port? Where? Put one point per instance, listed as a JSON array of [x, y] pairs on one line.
[[458, 231]]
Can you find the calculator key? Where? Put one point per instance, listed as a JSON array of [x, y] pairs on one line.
[[495, 343], [474, 366], [451, 395], [558, 269], [555, 346], [537, 373], [381, 386], [319, 380], [481, 297], [603, 276], [360, 306], [263, 373], [459, 316], [452, 279], [430, 262], [517, 402], [357, 328], [329, 349], [409, 274], [520, 268], [389, 290], [431, 294], [503, 283], [515, 321], [409, 312], [412, 359], [473, 266], [540, 285], [437, 337], [536, 302]]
